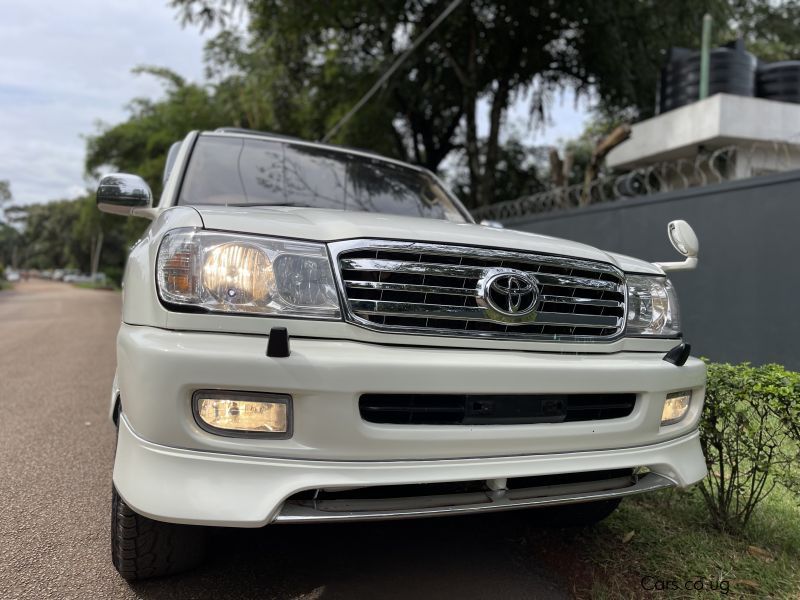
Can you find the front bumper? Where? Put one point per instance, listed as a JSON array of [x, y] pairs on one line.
[[159, 370], [170, 469], [205, 488]]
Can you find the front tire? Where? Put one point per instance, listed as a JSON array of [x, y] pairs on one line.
[[143, 548]]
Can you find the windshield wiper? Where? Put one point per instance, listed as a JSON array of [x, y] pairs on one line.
[[300, 204]]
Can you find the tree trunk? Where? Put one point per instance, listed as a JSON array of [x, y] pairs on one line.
[[470, 107], [604, 146], [96, 255], [499, 102]]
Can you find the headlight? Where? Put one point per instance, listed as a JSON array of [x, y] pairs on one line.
[[234, 273], [652, 307]]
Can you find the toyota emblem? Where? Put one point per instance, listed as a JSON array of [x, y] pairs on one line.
[[511, 293]]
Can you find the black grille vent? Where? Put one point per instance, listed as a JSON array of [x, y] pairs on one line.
[[493, 409]]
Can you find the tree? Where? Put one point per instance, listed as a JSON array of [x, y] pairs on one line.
[[69, 234], [5, 195], [771, 30], [140, 144], [9, 237], [47, 239], [102, 239], [301, 65], [521, 171], [487, 51]]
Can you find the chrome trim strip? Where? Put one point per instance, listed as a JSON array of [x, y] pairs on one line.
[[411, 287], [583, 301], [577, 282], [474, 313], [473, 251], [461, 272], [451, 270], [454, 504], [399, 266]]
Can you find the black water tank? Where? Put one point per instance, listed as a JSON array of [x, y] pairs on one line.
[[779, 81], [731, 70]]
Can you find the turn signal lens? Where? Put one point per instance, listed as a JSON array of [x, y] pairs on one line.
[[177, 271], [675, 407], [243, 414]]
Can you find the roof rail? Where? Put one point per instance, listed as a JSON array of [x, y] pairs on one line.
[[254, 132], [243, 130]]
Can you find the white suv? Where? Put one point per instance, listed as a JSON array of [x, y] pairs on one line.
[[314, 333]]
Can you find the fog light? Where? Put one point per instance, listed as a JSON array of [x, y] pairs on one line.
[[243, 414], [675, 407]]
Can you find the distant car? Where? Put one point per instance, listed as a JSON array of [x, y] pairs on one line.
[[12, 276], [436, 366], [99, 278], [58, 275]]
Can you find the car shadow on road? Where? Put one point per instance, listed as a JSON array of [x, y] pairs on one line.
[[482, 556]]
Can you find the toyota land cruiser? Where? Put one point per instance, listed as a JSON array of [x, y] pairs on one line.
[[313, 333]]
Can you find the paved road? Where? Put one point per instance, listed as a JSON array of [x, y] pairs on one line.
[[56, 454]]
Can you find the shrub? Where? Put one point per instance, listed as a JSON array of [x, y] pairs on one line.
[[748, 446], [789, 403], [114, 274]]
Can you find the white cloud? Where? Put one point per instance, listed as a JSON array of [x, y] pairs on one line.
[[65, 65]]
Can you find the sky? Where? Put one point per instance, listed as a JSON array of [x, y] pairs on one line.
[[65, 65]]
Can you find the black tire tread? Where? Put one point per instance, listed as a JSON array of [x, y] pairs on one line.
[[143, 548]]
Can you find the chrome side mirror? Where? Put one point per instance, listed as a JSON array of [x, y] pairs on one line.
[[684, 240], [494, 224], [121, 194]]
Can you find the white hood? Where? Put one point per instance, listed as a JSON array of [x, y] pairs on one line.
[[332, 225]]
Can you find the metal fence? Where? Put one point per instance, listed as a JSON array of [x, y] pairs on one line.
[[728, 163], [741, 302]]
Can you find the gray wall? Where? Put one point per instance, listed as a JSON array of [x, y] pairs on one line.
[[741, 303]]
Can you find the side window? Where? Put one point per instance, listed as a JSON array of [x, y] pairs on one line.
[[171, 156]]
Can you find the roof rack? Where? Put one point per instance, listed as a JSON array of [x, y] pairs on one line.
[[244, 130], [254, 132]]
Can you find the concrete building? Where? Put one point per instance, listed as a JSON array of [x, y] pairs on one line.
[[719, 138]]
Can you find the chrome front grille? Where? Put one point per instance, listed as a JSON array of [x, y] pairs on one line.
[[436, 289]]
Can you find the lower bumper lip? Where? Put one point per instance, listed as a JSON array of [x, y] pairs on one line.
[[476, 502], [204, 488]]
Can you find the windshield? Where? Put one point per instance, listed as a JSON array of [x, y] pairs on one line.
[[238, 171]]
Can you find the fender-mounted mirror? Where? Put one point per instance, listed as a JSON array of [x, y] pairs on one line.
[[684, 240]]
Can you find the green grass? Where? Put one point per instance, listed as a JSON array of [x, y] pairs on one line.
[[5, 285], [672, 541]]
